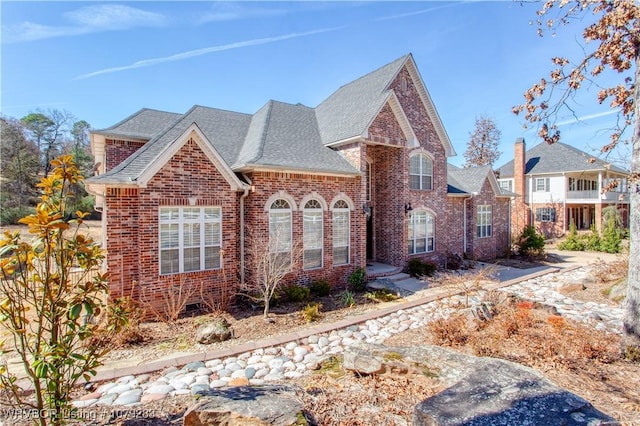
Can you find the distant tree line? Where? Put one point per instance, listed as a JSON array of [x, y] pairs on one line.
[[27, 146]]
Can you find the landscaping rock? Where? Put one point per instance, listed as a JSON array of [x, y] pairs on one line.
[[570, 287], [217, 330], [359, 359], [254, 405], [490, 391]]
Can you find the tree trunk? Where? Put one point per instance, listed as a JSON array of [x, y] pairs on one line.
[[266, 308], [631, 319]]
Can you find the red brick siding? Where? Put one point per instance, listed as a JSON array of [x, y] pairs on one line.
[[435, 199], [549, 229], [488, 248], [188, 176], [385, 128], [299, 186], [116, 151], [122, 240]]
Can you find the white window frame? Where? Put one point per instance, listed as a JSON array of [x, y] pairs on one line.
[[339, 212], [506, 184], [312, 242], [484, 220], [280, 208], [546, 214], [541, 185], [416, 235], [181, 220], [424, 162]]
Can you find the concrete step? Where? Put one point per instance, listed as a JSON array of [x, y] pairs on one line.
[[398, 277]]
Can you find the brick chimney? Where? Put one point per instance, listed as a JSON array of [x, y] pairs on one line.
[[520, 211], [518, 167]]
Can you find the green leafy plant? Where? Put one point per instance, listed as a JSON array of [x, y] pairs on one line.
[[347, 299], [611, 241], [52, 298], [593, 241], [321, 288], [358, 279], [382, 295], [296, 293], [573, 241], [530, 242], [311, 312], [422, 268]]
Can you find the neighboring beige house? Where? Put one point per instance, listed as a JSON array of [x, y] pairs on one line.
[[557, 184]]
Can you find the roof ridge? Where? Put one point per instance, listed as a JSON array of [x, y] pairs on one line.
[[263, 137], [362, 77]]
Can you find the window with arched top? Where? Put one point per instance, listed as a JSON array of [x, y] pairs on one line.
[[421, 235], [312, 234], [280, 232], [341, 232], [420, 172]]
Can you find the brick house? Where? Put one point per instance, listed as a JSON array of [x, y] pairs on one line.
[[362, 176], [557, 185]]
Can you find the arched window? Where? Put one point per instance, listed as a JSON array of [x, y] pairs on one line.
[[280, 232], [341, 232], [421, 232], [420, 172], [312, 234]]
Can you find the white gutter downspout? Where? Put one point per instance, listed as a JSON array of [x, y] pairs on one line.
[[242, 239]]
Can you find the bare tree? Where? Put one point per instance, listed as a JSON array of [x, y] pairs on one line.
[[612, 43], [482, 149], [270, 258]]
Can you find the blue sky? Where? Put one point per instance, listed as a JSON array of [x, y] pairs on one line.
[[103, 61]]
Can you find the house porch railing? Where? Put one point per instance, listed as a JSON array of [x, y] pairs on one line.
[[583, 195]]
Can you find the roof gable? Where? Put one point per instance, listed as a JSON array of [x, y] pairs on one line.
[[144, 124], [470, 180], [349, 111], [119, 177], [559, 157]]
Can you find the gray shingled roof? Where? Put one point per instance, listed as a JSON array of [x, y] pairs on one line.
[[225, 129], [350, 109], [556, 158], [468, 180], [144, 124], [285, 135]]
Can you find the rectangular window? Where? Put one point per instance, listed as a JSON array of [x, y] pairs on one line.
[[312, 231], [420, 172], [367, 180], [484, 221], [506, 184], [421, 233], [190, 239], [546, 214], [280, 237], [341, 237], [542, 185]]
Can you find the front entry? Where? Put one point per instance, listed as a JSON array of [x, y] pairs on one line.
[[370, 234]]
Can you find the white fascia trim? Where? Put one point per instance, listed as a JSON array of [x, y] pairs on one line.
[[429, 106], [494, 183], [460, 195], [251, 168], [359, 138], [193, 131], [98, 150], [401, 118]]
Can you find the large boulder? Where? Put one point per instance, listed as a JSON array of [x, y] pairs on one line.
[[216, 330], [263, 405], [480, 391]]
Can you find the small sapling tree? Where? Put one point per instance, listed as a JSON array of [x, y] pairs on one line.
[[51, 293]]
